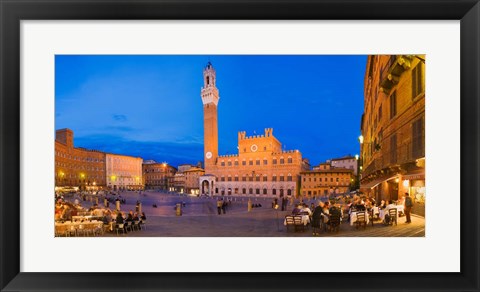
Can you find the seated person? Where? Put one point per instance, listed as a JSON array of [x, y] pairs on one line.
[[143, 217], [119, 219], [390, 205], [387, 213], [135, 217], [130, 216], [382, 205], [306, 210], [335, 211], [296, 210]]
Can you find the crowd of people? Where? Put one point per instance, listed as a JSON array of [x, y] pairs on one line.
[[66, 211]]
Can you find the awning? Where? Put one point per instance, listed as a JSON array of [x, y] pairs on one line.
[[376, 182], [414, 175]]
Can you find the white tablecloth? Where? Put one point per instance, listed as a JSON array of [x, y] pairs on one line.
[[382, 213], [353, 217]]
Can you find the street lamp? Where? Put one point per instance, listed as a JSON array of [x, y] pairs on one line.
[[360, 138]]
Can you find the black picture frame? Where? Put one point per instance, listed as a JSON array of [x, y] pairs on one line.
[[12, 12]]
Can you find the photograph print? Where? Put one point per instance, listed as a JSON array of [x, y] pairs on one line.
[[239, 146]]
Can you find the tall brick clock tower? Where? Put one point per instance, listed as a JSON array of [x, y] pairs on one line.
[[210, 124]]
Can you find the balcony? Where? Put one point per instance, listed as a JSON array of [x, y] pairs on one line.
[[390, 73], [404, 154]]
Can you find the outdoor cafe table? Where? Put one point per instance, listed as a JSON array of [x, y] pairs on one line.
[[353, 217], [76, 225], [382, 212]]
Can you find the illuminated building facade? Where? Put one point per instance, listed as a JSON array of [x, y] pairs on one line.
[[261, 167], [393, 127], [349, 162], [326, 180], [77, 167], [157, 175], [124, 172]]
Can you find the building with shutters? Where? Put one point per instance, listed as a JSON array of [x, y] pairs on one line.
[[392, 140]]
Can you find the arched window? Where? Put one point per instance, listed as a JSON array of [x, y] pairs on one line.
[[289, 177]]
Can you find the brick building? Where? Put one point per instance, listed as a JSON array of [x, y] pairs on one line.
[[326, 180], [158, 175], [192, 176], [261, 167], [392, 125], [77, 167]]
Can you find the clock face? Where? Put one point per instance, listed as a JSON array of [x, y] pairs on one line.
[[254, 148], [208, 155]]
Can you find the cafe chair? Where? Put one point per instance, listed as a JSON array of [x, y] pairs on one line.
[[136, 225], [98, 229], [393, 216], [119, 227], [289, 222], [143, 224], [129, 226], [361, 220], [334, 222], [299, 223], [82, 229]]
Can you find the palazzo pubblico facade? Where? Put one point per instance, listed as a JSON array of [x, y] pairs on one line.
[[261, 167]]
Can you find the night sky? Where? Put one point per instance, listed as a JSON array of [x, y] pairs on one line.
[[150, 106]]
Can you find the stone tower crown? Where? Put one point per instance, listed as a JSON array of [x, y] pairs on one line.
[[209, 90]]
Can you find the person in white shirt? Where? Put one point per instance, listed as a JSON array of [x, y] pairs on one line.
[[390, 206], [387, 211], [307, 210]]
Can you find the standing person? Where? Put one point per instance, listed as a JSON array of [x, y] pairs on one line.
[[408, 207], [219, 206], [224, 207]]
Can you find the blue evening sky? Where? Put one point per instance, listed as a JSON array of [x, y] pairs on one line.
[[150, 106]]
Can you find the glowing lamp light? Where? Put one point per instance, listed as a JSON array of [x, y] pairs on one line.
[[406, 183], [396, 180], [356, 156], [360, 138]]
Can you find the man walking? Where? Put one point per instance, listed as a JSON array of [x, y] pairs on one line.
[[408, 207]]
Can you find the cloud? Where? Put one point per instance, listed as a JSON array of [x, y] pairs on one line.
[[120, 128], [119, 118], [174, 153]]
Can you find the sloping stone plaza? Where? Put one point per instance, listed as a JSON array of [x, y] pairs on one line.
[[200, 219]]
